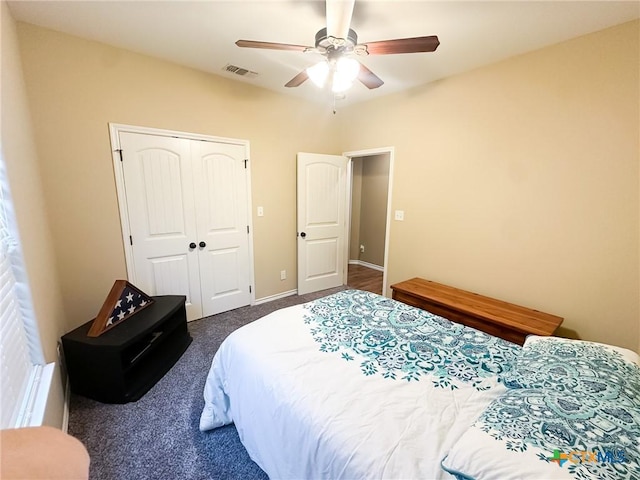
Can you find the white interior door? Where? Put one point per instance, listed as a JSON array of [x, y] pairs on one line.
[[158, 176], [322, 181], [221, 182]]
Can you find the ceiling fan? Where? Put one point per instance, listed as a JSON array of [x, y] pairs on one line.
[[337, 42]]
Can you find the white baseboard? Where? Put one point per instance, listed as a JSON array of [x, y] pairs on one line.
[[367, 264], [65, 407], [277, 296]]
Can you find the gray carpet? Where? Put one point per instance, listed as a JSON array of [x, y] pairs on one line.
[[157, 437]]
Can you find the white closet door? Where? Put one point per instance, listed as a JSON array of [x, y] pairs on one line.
[[221, 184], [160, 199]]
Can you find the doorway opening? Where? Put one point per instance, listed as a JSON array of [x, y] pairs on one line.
[[369, 183]]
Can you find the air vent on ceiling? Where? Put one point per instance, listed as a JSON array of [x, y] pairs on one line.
[[243, 72]]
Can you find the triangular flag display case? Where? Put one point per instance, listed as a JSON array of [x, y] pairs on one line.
[[123, 300]]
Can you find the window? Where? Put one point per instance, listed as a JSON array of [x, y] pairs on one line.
[[20, 350]]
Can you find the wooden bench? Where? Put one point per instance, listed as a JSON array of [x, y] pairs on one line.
[[502, 319]]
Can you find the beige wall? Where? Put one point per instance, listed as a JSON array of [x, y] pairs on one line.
[[373, 212], [21, 159], [520, 181], [76, 87], [356, 196], [369, 208]]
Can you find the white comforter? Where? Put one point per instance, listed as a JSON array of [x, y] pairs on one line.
[[311, 400]]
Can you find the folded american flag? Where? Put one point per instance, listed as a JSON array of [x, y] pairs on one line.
[[123, 300]]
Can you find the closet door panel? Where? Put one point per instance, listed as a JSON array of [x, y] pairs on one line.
[[221, 184], [158, 175]]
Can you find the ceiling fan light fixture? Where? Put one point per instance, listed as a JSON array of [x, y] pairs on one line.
[[340, 84], [346, 71], [342, 72], [348, 68], [318, 73]]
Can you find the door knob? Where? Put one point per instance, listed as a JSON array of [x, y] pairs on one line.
[[302, 234], [192, 245], [202, 244]]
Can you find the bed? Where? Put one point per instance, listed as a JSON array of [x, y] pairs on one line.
[[356, 385]]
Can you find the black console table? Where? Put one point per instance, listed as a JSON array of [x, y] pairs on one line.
[[123, 363]]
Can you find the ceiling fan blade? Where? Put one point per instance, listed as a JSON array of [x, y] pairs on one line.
[[403, 45], [339, 13], [298, 80], [368, 78], [271, 45]]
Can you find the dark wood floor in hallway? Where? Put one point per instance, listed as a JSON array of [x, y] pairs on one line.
[[365, 278]]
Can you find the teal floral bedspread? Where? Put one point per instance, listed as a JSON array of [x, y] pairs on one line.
[[571, 411], [398, 341]]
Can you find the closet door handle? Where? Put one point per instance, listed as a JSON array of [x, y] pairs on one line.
[[192, 245], [202, 244], [302, 234]]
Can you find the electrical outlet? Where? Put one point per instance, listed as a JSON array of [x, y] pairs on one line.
[[283, 274], [399, 215], [260, 212]]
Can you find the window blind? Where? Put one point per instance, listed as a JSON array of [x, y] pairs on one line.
[[21, 356], [16, 364]]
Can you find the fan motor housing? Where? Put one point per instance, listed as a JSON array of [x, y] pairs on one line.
[[327, 42]]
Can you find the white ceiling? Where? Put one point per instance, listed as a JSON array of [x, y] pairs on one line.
[[202, 34]]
